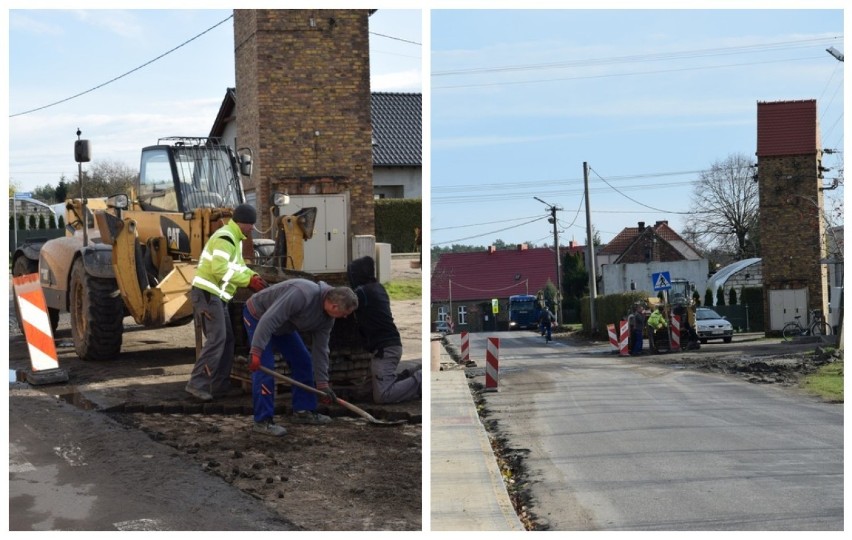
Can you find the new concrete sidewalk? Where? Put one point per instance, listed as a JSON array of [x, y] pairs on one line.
[[468, 493]]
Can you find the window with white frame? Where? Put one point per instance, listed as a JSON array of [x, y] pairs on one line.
[[462, 315]]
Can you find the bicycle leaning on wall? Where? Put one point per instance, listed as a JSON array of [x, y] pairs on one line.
[[817, 327]]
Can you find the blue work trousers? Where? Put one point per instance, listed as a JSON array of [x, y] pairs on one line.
[[638, 337], [293, 349]]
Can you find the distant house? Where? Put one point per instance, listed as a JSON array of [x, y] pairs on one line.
[[397, 142], [397, 145], [629, 261], [464, 284]]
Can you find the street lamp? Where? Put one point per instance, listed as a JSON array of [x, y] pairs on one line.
[[835, 53]]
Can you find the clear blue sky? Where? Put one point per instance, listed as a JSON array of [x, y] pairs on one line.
[[521, 98], [56, 54]]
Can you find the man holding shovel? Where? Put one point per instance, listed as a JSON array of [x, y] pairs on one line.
[[273, 319]]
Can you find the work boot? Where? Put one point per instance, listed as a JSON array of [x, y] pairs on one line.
[[200, 395], [268, 428], [310, 417]]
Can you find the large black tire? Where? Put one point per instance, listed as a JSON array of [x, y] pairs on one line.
[[97, 314], [21, 267]]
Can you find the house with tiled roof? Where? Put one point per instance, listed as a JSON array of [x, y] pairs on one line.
[[464, 284], [396, 139], [630, 260], [397, 145]]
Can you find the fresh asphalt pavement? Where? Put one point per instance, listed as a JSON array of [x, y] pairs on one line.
[[619, 443]]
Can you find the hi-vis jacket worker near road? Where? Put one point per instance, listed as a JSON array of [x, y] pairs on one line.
[[221, 270]]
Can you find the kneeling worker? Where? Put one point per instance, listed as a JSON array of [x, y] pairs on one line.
[[381, 336]]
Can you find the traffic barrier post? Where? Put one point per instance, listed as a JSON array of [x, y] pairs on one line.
[[32, 310], [623, 340], [465, 347], [675, 333], [492, 356], [613, 337]]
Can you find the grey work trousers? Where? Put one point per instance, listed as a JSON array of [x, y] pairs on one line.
[[212, 370], [386, 387]]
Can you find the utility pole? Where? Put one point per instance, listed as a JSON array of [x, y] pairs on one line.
[[590, 246], [552, 219]]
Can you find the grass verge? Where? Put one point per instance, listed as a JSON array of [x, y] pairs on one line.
[[410, 289], [827, 382]]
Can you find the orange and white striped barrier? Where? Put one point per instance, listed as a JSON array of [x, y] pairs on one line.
[[613, 337], [32, 310], [675, 333], [465, 347], [492, 356], [623, 339]]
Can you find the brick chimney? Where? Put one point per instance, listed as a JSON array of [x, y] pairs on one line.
[[491, 249], [522, 247], [641, 226]]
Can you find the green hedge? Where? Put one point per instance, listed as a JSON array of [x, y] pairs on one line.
[[753, 298], [396, 220], [609, 309]]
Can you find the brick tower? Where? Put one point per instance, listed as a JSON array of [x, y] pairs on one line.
[[792, 228], [303, 104]]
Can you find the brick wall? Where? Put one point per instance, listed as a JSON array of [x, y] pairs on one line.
[[303, 87], [791, 227]]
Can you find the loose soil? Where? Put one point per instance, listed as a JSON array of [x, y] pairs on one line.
[[347, 475]]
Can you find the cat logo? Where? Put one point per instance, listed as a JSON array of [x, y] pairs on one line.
[[177, 238], [173, 236]]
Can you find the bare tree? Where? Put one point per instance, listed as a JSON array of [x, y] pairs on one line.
[[104, 178], [725, 206]]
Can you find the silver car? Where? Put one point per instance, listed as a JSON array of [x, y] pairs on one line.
[[443, 327], [711, 325]]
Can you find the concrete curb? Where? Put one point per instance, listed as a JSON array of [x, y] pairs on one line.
[[468, 493]]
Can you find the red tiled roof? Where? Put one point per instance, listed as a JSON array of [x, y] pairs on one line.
[[500, 274], [628, 235], [787, 128]]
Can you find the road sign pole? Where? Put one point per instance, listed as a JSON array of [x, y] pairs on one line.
[[15, 212]]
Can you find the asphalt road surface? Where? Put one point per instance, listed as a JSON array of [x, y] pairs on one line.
[[619, 443]]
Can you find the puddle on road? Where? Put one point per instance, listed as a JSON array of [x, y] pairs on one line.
[[69, 395]]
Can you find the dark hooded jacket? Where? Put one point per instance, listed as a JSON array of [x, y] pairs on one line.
[[374, 317]]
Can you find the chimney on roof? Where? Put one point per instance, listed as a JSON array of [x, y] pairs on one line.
[[522, 247], [491, 249], [572, 244], [662, 222], [641, 226]]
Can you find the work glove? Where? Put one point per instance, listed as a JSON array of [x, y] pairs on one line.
[[254, 365], [329, 397], [257, 283]]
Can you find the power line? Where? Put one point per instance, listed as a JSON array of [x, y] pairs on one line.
[[634, 200], [479, 224], [609, 75], [487, 233], [127, 73], [396, 38], [652, 57]]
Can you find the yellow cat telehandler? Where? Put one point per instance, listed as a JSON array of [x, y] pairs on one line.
[[136, 254]]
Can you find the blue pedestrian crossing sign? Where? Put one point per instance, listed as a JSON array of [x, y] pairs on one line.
[[662, 281]]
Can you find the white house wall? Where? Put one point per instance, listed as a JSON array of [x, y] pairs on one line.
[[397, 182], [617, 277]]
